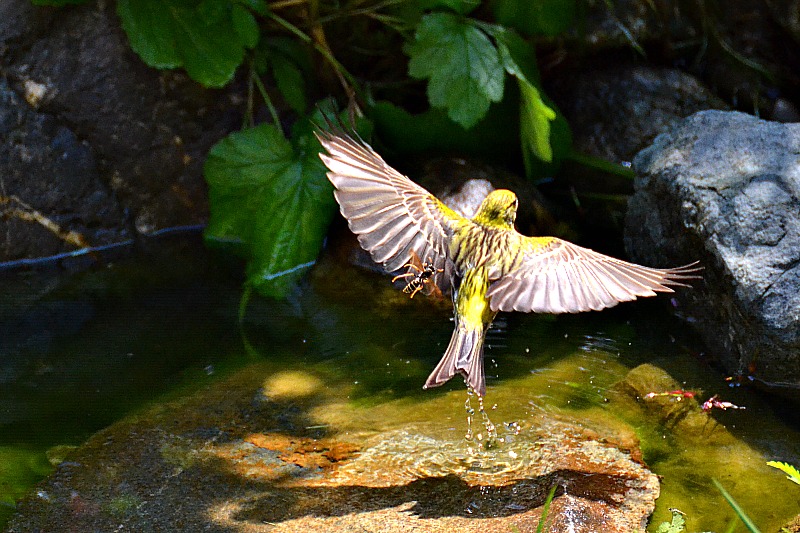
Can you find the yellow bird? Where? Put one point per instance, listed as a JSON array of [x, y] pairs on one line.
[[486, 264]]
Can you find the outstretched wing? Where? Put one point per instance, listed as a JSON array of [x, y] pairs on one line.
[[554, 276], [392, 216]]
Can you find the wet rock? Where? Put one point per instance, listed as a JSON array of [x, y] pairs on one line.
[[683, 415], [724, 188], [239, 457], [793, 526], [87, 109], [21, 23], [616, 112], [46, 168]]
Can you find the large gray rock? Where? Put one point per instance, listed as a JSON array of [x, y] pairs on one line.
[[724, 188]]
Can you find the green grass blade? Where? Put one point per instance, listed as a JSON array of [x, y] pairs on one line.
[[546, 508], [737, 509]]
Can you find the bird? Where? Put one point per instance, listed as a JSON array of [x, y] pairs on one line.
[[485, 264]]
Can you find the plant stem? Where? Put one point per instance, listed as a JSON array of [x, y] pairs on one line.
[[267, 100]]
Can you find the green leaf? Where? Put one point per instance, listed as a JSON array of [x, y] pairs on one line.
[[270, 201], [245, 25], [677, 525], [791, 472], [540, 17], [199, 36], [271, 197], [290, 83], [535, 118], [518, 57], [150, 32], [461, 64], [462, 7], [290, 64]]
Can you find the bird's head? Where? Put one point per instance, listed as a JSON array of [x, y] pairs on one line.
[[498, 210]]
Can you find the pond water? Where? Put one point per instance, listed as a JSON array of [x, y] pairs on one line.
[[79, 352]]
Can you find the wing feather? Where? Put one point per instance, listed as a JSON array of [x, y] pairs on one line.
[[555, 276], [392, 216]]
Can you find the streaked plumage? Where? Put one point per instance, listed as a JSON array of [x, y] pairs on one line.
[[484, 261]]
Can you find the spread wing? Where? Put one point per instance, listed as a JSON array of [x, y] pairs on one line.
[[554, 276], [392, 216]]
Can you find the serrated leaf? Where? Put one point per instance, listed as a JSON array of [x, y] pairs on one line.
[[200, 37], [677, 525], [272, 197], [542, 17], [245, 25], [792, 473], [461, 64]]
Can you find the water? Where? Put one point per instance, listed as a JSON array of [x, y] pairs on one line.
[[79, 352]]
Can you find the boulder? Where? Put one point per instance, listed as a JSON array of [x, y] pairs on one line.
[[276, 451], [723, 188]]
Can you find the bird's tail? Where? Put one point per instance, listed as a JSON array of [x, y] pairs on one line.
[[464, 355]]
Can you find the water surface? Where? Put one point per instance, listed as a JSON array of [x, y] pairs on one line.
[[78, 352]]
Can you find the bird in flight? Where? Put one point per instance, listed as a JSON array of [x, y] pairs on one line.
[[484, 263]]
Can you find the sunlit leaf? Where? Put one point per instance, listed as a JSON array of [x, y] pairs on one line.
[[461, 64], [272, 197], [535, 118], [540, 17], [677, 525], [201, 36], [791, 472]]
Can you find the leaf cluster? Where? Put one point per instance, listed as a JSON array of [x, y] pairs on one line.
[[470, 61]]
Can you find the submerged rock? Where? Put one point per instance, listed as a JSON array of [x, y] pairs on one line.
[[724, 188], [241, 456]]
